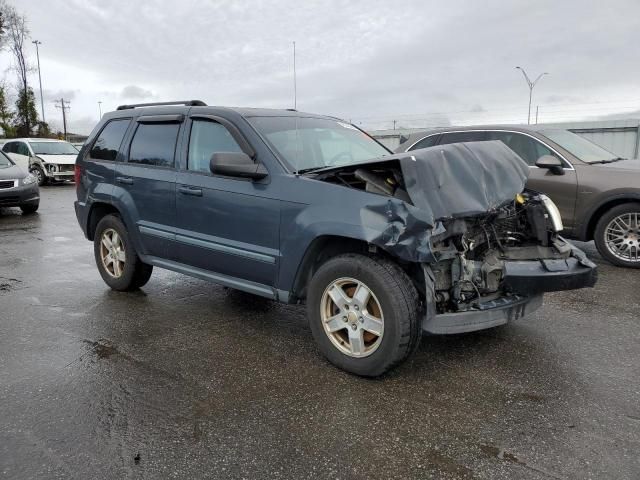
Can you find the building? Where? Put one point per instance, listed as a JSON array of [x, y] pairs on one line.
[[621, 137]]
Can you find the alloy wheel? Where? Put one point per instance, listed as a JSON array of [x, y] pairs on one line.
[[352, 317], [112, 253], [622, 236]]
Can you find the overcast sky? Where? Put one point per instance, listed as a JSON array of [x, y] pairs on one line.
[[418, 62]]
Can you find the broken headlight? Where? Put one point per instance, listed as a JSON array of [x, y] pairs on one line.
[[553, 212]]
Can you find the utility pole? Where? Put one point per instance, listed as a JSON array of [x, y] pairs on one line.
[[64, 106], [100, 109], [531, 85], [36, 43], [394, 124], [537, 109], [295, 82]]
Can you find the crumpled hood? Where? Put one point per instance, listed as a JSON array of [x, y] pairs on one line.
[[59, 159], [463, 179]]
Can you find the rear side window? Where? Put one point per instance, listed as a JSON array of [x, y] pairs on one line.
[[527, 148], [425, 142], [108, 143], [9, 147], [458, 137], [206, 139], [154, 144]]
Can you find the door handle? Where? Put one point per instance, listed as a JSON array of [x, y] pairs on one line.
[[125, 180], [196, 192]]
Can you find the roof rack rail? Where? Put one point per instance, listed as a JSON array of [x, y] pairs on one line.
[[189, 103]]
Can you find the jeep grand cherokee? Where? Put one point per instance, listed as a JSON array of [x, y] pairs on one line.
[[304, 208]]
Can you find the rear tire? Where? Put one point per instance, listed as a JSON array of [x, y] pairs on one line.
[[392, 300], [617, 235], [118, 263]]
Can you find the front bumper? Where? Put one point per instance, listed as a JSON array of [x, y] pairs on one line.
[[524, 282], [504, 311], [20, 195], [59, 172]]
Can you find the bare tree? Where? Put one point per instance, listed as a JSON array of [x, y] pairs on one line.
[[17, 35]]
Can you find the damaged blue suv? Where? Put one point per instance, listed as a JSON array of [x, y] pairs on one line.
[[304, 208]]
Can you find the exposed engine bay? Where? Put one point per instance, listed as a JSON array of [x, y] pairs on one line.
[[470, 251]]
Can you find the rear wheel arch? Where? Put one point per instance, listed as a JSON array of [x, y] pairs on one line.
[[98, 211]]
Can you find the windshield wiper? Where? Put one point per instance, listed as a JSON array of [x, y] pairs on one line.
[[611, 160], [309, 170]]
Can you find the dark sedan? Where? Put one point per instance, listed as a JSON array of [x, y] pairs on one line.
[[18, 188], [597, 192]]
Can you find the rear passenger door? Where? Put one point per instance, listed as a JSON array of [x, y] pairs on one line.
[[226, 225], [146, 182]]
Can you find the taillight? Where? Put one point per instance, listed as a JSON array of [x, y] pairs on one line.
[[76, 175]]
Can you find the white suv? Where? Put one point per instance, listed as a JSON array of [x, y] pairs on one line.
[[45, 158]]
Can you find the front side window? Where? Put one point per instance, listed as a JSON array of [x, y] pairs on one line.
[[308, 143], [22, 149], [582, 148], [206, 139], [527, 148], [108, 143], [429, 141], [154, 144], [53, 148]]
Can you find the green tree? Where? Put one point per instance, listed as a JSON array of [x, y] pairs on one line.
[[26, 112], [6, 115]]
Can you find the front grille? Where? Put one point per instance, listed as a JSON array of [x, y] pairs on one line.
[[7, 183], [65, 168], [12, 199]]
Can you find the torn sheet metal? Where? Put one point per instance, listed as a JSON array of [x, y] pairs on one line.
[[463, 179], [449, 181]]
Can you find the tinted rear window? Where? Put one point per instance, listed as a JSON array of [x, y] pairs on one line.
[[108, 142], [154, 144]]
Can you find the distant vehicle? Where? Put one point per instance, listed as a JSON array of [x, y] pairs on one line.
[[47, 159], [303, 208], [597, 192], [18, 187]]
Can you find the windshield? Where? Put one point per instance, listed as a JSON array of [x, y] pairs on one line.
[[4, 161], [579, 146], [53, 148], [305, 143]]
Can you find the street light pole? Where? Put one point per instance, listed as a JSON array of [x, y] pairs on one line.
[[531, 85], [38, 42]]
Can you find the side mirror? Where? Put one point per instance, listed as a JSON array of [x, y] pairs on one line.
[[235, 164], [551, 163]]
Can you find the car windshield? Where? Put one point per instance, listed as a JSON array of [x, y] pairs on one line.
[[579, 146], [4, 161], [53, 148], [306, 143]]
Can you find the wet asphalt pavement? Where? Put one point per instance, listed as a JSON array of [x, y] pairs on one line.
[[185, 379]]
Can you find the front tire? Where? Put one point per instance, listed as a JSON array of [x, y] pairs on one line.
[[364, 314], [617, 235], [117, 261], [37, 171], [29, 208]]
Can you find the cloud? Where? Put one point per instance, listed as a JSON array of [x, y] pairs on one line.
[[135, 92], [50, 95]]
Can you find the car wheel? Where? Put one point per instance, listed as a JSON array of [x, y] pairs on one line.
[[39, 174], [29, 208], [117, 261], [363, 313], [617, 235]]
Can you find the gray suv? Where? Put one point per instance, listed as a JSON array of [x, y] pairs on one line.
[[303, 208], [597, 192]]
